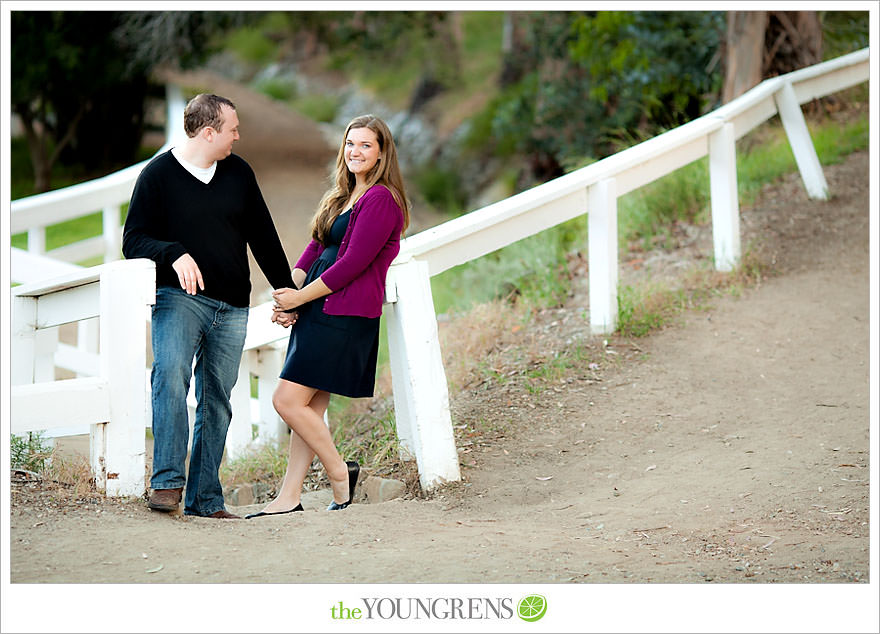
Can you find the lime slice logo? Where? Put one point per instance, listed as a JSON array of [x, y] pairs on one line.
[[532, 607]]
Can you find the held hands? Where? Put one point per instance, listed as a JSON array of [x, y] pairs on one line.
[[188, 273], [284, 319], [279, 316], [287, 299]]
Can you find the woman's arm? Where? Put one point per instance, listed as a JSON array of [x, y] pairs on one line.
[[289, 298], [311, 253]]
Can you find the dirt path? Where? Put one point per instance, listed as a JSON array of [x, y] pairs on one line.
[[732, 448]]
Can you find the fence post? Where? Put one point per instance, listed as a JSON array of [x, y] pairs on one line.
[[87, 339], [421, 398], [801, 144], [174, 107], [111, 219], [45, 346], [724, 197], [271, 429], [602, 255], [118, 447], [37, 240], [23, 345]]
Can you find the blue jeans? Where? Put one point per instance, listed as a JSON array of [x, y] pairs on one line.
[[187, 327]]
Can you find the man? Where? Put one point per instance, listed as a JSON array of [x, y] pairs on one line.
[[194, 211]]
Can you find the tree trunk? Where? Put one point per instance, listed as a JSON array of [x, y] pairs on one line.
[[762, 44], [512, 47], [793, 40], [744, 52], [40, 161], [39, 138]]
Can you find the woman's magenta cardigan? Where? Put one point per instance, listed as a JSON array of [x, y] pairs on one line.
[[370, 243]]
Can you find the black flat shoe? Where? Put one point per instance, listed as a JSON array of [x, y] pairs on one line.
[[354, 470], [298, 507]]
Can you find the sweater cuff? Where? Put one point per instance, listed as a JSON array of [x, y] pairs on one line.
[[173, 252]]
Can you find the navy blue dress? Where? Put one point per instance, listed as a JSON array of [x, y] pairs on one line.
[[333, 353]]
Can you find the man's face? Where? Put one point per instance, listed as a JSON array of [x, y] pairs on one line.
[[222, 140]]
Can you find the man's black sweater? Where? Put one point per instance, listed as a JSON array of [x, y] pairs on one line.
[[172, 213]]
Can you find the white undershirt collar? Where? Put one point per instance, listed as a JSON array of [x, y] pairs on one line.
[[204, 174]]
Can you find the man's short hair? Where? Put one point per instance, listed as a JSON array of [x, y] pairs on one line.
[[204, 111]]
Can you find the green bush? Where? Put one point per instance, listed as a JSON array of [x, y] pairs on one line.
[[251, 45], [320, 108], [441, 188], [278, 89], [29, 452]]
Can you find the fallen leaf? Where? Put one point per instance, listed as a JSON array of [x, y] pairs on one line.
[[543, 477], [651, 468], [156, 569]]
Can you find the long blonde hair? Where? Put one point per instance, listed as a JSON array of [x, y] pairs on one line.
[[385, 172]]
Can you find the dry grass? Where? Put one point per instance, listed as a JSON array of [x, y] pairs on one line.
[[65, 477], [72, 472], [468, 339]]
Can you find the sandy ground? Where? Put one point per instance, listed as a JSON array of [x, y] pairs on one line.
[[729, 449]]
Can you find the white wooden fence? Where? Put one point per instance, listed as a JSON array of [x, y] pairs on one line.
[[421, 398], [420, 392], [115, 403]]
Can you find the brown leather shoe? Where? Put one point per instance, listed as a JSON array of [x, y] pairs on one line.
[[165, 500], [223, 514]]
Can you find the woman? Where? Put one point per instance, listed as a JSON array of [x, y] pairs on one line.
[[340, 279]]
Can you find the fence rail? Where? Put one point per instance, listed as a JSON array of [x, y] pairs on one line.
[[421, 397]]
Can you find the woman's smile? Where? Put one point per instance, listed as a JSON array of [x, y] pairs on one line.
[[361, 151]]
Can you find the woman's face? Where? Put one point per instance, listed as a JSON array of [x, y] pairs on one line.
[[361, 151]]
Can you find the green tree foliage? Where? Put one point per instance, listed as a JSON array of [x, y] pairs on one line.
[[595, 80], [79, 79], [69, 78], [844, 32], [650, 66], [177, 38]]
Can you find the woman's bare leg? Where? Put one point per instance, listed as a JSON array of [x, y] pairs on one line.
[[293, 403], [299, 461]]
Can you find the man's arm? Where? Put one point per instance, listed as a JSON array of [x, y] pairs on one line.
[[138, 241], [142, 223]]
